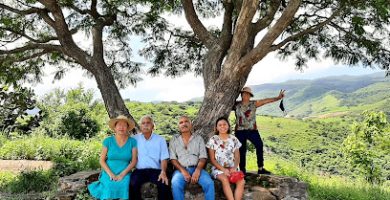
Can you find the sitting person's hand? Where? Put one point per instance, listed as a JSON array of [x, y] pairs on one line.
[[187, 176], [120, 177], [195, 176], [232, 169], [226, 171], [163, 178]]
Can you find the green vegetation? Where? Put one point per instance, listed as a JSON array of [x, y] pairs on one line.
[[329, 97], [325, 187], [309, 149], [14, 101], [364, 145]]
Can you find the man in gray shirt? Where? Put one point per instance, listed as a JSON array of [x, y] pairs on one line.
[[188, 155]]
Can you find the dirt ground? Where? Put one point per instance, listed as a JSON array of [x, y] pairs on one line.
[[24, 165]]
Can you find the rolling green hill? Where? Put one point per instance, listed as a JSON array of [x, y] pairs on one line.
[[330, 96]]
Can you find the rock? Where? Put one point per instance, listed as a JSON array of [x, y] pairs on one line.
[[69, 186], [257, 187], [260, 193]]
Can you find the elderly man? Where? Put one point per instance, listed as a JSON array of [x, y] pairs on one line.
[[152, 161], [188, 155]]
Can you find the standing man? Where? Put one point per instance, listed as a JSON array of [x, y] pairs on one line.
[[188, 155], [246, 127], [152, 161]]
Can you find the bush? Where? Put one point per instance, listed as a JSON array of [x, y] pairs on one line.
[[46, 148], [78, 125], [72, 114], [32, 181]]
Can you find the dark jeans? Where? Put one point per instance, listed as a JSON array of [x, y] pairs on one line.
[[141, 176], [254, 137]]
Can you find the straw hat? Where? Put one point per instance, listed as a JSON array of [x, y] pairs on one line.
[[113, 122], [248, 90]]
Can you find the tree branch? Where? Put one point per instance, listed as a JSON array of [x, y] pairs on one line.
[[48, 47], [199, 29], [226, 34], [64, 34], [97, 36], [11, 59], [23, 34], [310, 30], [269, 16], [93, 10], [45, 16], [20, 12], [263, 46], [242, 33]]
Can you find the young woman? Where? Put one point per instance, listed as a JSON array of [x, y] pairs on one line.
[[225, 158], [118, 157]]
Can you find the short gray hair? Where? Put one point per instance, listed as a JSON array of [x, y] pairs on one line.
[[147, 117]]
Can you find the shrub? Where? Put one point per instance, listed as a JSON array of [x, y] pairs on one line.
[[78, 125], [32, 181]]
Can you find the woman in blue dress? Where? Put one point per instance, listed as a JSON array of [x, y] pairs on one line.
[[118, 158]]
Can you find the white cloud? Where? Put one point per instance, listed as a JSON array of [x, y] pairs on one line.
[[164, 88]]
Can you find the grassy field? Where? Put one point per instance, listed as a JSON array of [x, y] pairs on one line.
[[323, 187]]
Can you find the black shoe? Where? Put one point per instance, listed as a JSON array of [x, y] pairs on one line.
[[263, 171]]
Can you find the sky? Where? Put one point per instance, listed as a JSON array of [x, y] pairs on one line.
[[186, 87]]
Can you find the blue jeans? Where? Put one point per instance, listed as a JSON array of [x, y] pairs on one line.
[[178, 184]]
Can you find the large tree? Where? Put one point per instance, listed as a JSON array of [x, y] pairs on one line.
[[43, 33], [353, 32]]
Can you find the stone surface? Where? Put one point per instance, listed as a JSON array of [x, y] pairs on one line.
[[260, 193], [257, 187], [24, 165], [69, 186]]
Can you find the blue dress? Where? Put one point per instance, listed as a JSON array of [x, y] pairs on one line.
[[118, 158]]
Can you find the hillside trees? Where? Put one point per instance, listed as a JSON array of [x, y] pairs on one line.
[[367, 144], [73, 113]]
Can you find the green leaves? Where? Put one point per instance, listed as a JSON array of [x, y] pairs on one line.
[[14, 101], [361, 146]]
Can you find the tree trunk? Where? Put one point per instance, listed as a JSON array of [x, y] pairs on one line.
[[218, 101], [110, 93]]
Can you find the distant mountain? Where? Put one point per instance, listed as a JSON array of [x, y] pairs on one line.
[[329, 96]]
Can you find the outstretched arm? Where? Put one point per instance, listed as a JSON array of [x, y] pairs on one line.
[[270, 100]]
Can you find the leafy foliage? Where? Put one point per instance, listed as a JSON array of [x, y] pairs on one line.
[[14, 102], [33, 181], [70, 114], [77, 125], [361, 146]]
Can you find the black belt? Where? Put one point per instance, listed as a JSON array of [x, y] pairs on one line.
[[191, 166]]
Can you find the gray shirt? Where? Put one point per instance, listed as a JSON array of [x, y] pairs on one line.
[[189, 156]]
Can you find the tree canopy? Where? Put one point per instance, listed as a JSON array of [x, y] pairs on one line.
[[352, 32], [38, 32]]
